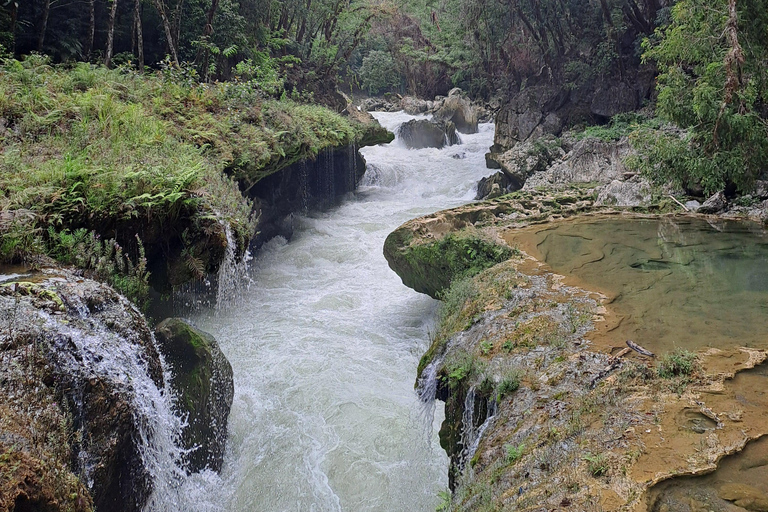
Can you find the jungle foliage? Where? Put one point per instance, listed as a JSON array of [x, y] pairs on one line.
[[713, 84]]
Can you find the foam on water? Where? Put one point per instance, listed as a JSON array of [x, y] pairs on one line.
[[325, 345]]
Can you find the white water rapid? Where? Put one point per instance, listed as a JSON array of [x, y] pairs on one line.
[[325, 344]]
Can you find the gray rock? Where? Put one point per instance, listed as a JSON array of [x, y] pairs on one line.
[[202, 381], [615, 99], [517, 120], [423, 133], [589, 161], [526, 159], [692, 205], [460, 112], [414, 106], [714, 204], [761, 189], [493, 186], [624, 193]]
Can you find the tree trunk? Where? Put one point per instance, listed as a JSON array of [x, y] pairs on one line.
[[14, 16], [204, 54], [43, 25], [111, 34], [139, 34], [167, 27], [91, 29]]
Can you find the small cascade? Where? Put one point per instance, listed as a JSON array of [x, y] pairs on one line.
[[107, 355], [217, 290], [426, 387], [232, 277], [471, 433], [351, 167], [304, 186]]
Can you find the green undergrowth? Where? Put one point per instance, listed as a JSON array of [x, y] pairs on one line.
[[120, 154], [619, 126]]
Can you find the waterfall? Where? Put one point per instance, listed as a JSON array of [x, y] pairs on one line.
[[470, 434], [232, 277], [105, 353]]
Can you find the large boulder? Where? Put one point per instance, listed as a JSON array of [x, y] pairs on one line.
[[630, 193], [86, 408], [459, 111], [532, 108], [423, 133], [590, 160], [524, 160], [202, 381], [494, 186]]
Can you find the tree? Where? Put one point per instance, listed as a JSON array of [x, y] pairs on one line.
[[713, 61]]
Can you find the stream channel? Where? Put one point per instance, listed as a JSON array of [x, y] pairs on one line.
[[324, 344]]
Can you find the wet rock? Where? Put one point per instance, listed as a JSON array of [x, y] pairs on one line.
[[624, 193], [422, 133], [459, 111], [202, 381], [378, 105], [493, 186], [744, 496], [415, 106], [92, 351], [714, 204]]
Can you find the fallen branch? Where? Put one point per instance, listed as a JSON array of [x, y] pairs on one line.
[[640, 350], [678, 202]]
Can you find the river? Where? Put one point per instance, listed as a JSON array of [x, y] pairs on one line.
[[324, 344]]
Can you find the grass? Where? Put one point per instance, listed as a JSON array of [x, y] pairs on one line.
[[509, 384], [679, 363], [120, 153], [514, 452]]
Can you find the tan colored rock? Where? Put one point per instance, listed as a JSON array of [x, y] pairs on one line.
[[745, 496]]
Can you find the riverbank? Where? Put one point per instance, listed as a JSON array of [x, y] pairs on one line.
[[113, 154], [545, 407]]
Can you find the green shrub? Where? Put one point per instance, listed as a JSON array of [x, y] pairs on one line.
[[509, 384], [680, 363], [514, 453]]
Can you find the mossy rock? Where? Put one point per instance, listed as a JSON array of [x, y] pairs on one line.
[[429, 266], [204, 387]]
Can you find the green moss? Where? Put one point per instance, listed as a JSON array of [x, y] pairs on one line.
[[430, 267], [116, 152]]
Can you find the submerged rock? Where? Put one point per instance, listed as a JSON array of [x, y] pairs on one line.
[[422, 133], [202, 381]]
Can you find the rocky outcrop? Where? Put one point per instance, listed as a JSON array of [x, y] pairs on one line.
[[527, 159], [540, 416], [494, 186], [560, 162], [422, 133], [588, 160], [202, 381], [77, 361], [306, 185], [634, 192], [458, 110]]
